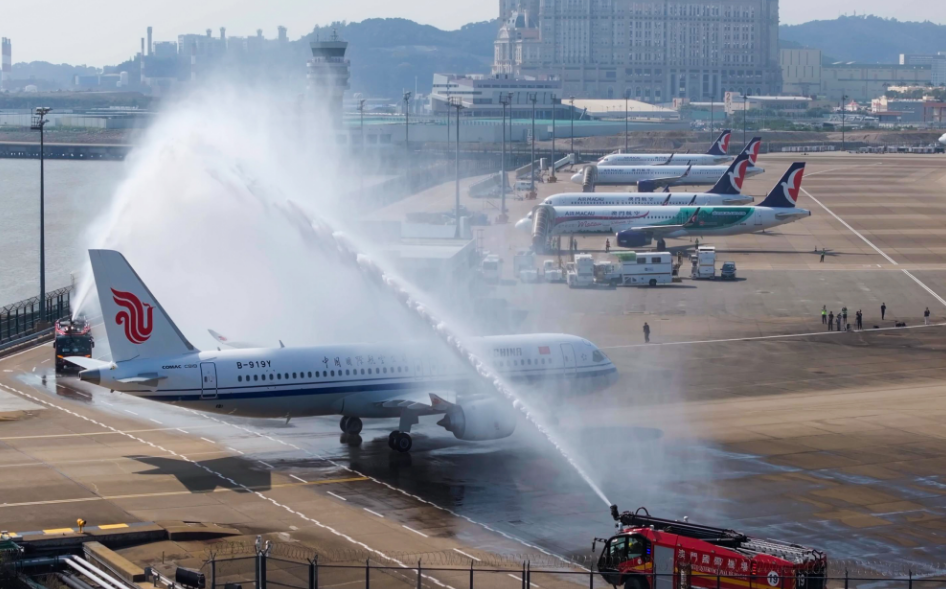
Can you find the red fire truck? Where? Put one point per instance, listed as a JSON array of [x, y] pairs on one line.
[[654, 553]]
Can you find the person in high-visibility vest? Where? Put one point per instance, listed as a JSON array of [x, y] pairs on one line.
[[824, 314]]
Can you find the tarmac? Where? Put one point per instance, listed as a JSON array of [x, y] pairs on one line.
[[743, 412]]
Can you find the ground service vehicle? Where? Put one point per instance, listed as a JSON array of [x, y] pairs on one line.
[[728, 271], [636, 269], [654, 553], [492, 268], [703, 263], [73, 338], [581, 272], [552, 272]]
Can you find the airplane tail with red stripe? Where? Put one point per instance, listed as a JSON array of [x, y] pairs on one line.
[[731, 181]]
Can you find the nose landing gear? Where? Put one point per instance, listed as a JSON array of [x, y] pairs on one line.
[[400, 441]]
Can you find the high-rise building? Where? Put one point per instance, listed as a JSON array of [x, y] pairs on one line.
[[649, 50], [6, 63], [328, 75]]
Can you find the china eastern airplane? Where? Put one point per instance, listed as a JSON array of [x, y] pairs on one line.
[[153, 360], [727, 191], [715, 155], [650, 178], [638, 226]]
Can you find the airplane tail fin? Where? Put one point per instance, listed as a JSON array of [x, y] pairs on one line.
[[752, 149], [731, 181], [136, 324], [785, 193], [721, 145]]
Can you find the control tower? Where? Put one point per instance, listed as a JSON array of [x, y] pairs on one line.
[[328, 75]]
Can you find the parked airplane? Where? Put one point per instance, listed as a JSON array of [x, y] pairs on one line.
[[650, 178], [725, 192], [153, 360], [638, 226], [715, 155], [942, 140]]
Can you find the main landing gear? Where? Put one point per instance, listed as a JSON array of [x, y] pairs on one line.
[[400, 441], [661, 245], [351, 425]]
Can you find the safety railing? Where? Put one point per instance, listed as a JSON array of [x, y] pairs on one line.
[[299, 569], [23, 319]]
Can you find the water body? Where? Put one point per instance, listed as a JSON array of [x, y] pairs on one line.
[[76, 193]]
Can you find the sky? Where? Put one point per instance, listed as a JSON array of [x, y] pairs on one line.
[[103, 32]]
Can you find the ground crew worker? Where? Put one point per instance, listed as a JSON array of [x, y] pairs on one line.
[[926, 316], [646, 333], [822, 256], [844, 314], [824, 314], [607, 246], [831, 321], [883, 310], [839, 321], [860, 320]]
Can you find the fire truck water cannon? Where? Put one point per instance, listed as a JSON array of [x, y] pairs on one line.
[[654, 553]]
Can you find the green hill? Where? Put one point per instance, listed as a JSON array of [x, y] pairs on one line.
[[867, 39]]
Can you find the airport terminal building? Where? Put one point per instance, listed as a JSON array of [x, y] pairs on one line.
[[649, 50]]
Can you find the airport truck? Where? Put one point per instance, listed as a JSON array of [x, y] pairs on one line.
[[655, 553], [73, 338], [636, 269], [581, 272], [703, 263], [551, 272], [492, 268]]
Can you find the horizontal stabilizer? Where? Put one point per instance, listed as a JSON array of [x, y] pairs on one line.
[[225, 341], [88, 363]]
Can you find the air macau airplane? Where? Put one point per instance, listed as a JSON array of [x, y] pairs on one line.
[[650, 178], [638, 226], [153, 360], [715, 155]]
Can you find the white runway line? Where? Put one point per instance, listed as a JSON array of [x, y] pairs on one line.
[[155, 420], [266, 464], [372, 512], [457, 550], [336, 496], [234, 450], [210, 441], [129, 411], [875, 248], [415, 531], [301, 480], [180, 430]]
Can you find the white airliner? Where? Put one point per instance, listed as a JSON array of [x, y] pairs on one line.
[[638, 226], [650, 178], [715, 155], [942, 140], [726, 192], [153, 360]]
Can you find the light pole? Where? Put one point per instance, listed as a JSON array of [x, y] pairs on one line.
[[572, 101], [745, 115], [38, 124], [407, 120], [505, 99], [533, 97], [712, 112], [625, 120], [361, 177], [843, 108], [555, 102], [457, 103]]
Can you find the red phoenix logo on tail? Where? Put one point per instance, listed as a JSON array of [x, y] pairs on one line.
[[724, 142], [739, 174], [135, 316], [793, 185], [754, 151]]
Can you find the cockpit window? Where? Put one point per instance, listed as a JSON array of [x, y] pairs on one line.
[[598, 356]]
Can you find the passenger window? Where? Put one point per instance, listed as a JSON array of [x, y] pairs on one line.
[[347, 372], [255, 377], [279, 376], [293, 375], [641, 261], [333, 373], [310, 374], [287, 376], [385, 369], [270, 377], [362, 370], [239, 379]]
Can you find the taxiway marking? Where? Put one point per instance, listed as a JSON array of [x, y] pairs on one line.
[[372, 512], [875, 248], [457, 550]]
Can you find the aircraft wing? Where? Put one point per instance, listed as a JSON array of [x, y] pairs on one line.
[[669, 159], [663, 229], [421, 402], [150, 378], [223, 340], [667, 181]]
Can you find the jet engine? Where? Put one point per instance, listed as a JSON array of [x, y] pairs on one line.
[[480, 419], [631, 239], [646, 186]]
